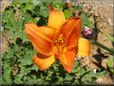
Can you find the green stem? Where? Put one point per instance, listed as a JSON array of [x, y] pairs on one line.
[[102, 46]]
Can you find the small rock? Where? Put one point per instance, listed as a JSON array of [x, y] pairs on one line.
[[4, 44], [105, 12], [104, 63], [104, 80], [104, 40], [101, 24], [110, 22], [4, 4], [92, 66], [86, 8], [84, 61]]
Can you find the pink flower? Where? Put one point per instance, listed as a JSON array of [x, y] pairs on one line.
[[87, 31]]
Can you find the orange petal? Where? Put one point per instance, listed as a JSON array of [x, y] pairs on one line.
[[71, 31], [56, 19], [41, 37], [67, 59], [84, 47], [43, 62]]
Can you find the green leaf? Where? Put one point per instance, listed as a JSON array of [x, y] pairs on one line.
[[7, 73], [18, 78], [82, 71], [27, 58], [86, 22], [34, 67], [9, 19], [36, 2], [67, 13], [79, 7], [29, 6], [25, 62], [68, 77], [46, 2], [58, 4], [110, 37], [43, 11], [76, 63], [30, 19], [111, 63], [13, 21], [48, 78], [59, 79]]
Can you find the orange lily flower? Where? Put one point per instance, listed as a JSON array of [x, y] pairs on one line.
[[58, 40]]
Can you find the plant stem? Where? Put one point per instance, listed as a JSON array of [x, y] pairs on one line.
[[102, 46]]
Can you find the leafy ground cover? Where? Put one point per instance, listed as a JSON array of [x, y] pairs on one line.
[[17, 65]]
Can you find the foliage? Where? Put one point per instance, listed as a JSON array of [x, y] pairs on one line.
[[86, 22], [17, 64], [111, 63]]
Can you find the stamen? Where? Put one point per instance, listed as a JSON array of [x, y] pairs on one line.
[[61, 47], [60, 41]]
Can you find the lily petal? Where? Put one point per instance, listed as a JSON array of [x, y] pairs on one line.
[[71, 31], [40, 37], [67, 59], [43, 62], [84, 47], [56, 19]]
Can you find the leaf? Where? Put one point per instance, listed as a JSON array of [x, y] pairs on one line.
[[13, 21], [110, 37], [18, 78], [29, 6], [9, 20], [111, 63], [48, 78], [7, 73], [34, 67], [67, 13], [86, 22], [27, 58], [43, 11], [68, 77], [59, 79], [25, 62], [76, 63], [79, 6], [46, 3], [82, 71], [36, 2], [58, 4]]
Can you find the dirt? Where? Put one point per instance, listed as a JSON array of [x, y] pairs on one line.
[[103, 14]]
